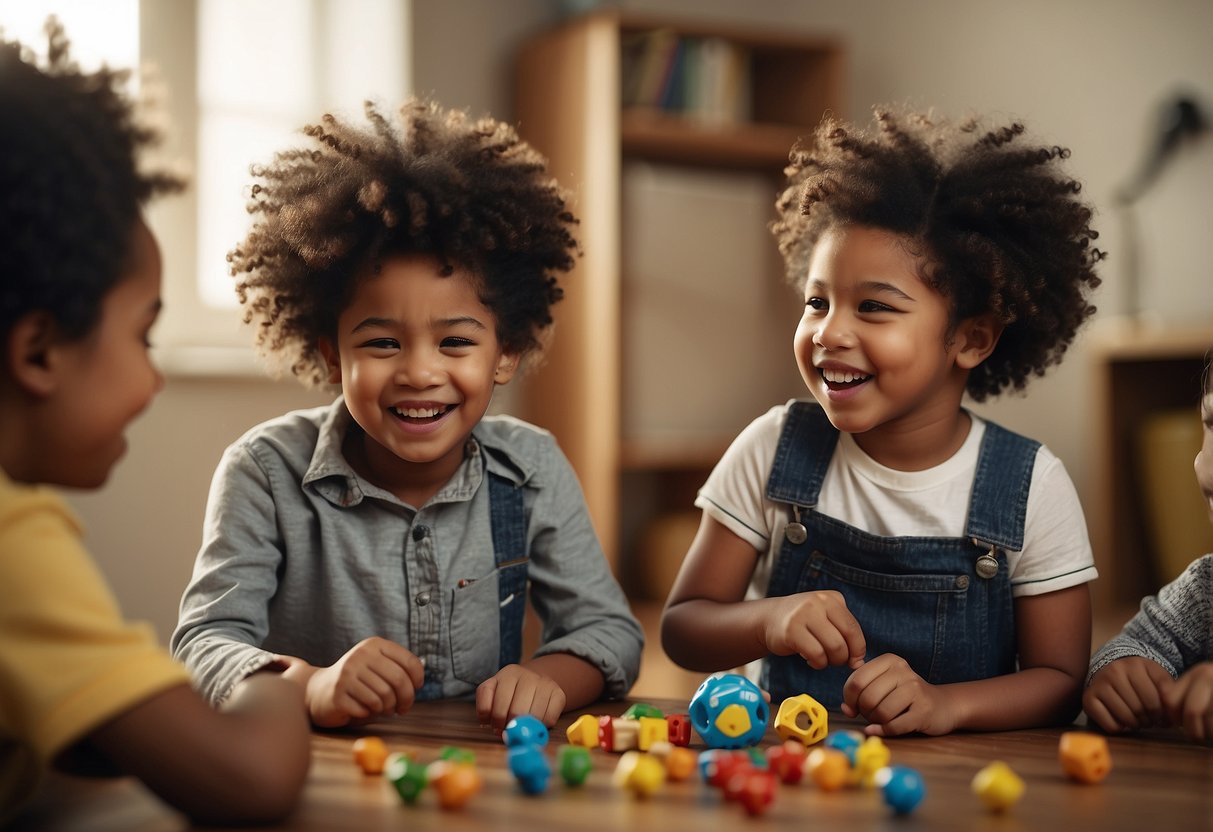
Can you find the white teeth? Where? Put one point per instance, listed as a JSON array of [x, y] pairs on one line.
[[418, 412], [843, 377]]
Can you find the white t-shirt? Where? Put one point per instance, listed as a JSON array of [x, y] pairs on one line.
[[861, 492]]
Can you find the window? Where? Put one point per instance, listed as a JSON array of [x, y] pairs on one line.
[[241, 79]]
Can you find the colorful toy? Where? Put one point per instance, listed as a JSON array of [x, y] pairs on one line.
[[901, 787], [998, 786], [829, 768], [786, 761], [641, 774], [618, 734], [454, 782], [870, 757], [583, 731], [408, 776], [717, 765], [679, 761], [728, 711], [370, 753], [529, 767], [847, 742], [1084, 756], [802, 718], [575, 764], [651, 730], [639, 709], [525, 730], [679, 726], [753, 788], [457, 755]]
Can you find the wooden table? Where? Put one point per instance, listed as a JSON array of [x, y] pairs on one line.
[[1160, 782]]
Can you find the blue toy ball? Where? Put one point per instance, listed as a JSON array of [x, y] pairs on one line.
[[728, 711], [530, 767], [847, 742], [525, 730], [902, 788]]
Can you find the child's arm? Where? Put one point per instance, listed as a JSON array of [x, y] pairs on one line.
[[244, 764], [1189, 702], [1054, 635], [707, 625]]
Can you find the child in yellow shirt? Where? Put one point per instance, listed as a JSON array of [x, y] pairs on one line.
[[82, 689]]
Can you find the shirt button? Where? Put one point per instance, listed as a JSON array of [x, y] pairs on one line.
[[422, 599], [420, 533], [962, 582]]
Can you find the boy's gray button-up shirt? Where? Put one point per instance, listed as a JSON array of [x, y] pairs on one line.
[[301, 556]]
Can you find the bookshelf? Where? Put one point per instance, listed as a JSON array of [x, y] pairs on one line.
[[675, 330]]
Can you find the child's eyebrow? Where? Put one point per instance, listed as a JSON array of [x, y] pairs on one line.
[[444, 323], [877, 286]]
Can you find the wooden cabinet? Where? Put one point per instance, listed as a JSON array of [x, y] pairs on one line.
[[676, 326], [1139, 369]]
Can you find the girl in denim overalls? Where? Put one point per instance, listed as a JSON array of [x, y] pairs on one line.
[[879, 547]]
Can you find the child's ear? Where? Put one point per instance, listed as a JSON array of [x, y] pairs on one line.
[[332, 358], [507, 365], [30, 353], [976, 338]]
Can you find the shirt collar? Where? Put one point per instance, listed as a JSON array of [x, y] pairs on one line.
[[331, 475]]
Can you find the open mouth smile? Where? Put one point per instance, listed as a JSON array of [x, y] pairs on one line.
[[424, 415], [843, 379]]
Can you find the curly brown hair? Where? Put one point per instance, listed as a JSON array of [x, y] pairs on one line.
[[70, 184], [1001, 228], [470, 192]]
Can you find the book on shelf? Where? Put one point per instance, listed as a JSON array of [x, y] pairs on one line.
[[705, 79]]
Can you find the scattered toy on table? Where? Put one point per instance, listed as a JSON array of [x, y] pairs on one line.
[[846, 741], [901, 787], [370, 753], [525, 730], [1084, 756], [787, 761], [454, 781], [640, 773], [583, 731], [828, 768], [729, 711], [870, 757], [679, 762], [998, 786], [679, 729], [408, 776], [618, 734], [641, 709], [802, 718], [753, 788], [457, 755], [529, 767], [575, 764]]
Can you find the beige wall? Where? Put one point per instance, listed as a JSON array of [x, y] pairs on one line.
[[1083, 73]]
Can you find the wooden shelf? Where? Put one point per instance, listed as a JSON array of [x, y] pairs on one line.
[[684, 161]]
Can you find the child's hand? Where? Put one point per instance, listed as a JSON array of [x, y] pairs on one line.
[[515, 691], [1128, 694], [376, 677], [889, 694], [819, 627], [1189, 701]]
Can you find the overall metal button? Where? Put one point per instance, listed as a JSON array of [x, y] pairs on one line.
[[422, 599], [420, 533]]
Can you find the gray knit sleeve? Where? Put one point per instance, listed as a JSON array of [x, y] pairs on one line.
[[1173, 628]]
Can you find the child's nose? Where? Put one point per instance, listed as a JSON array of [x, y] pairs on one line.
[[416, 370], [834, 332]]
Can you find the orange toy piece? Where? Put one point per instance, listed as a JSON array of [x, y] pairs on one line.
[[829, 768], [370, 753], [454, 782], [802, 718], [1084, 756]]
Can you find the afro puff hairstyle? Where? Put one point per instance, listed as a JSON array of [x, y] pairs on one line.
[[469, 192], [1001, 228], [70, 186]]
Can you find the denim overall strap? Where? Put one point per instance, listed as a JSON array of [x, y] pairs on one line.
[[999, 503], [802, 456], [921, 598], [508, 517]]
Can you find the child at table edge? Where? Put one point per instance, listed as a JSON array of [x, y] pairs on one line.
[[83, 690], [381, 549], [886, 550], [1159, 669]]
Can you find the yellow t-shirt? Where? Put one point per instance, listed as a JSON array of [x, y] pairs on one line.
[[68, 660]]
